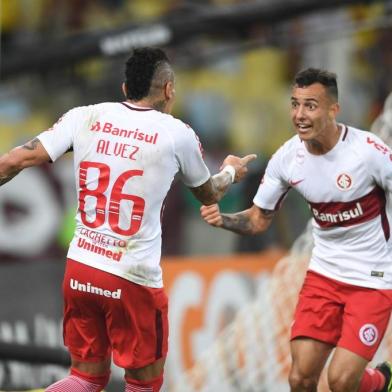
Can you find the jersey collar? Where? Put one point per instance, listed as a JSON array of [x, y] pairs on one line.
[[135, 107]]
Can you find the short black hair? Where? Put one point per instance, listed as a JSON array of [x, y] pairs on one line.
[[314, 75], [140, 69]]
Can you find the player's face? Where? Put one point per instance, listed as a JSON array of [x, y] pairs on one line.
[[313, 112]]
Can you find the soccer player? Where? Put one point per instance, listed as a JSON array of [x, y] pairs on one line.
[[344, 174], [126, 155]]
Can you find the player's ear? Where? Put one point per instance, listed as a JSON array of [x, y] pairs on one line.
[[124, 89], [334, 109], [169, 90]]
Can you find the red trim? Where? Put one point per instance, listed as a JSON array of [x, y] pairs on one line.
[[279, 202], [385, 224], [352, 212], [345, 133], [137, 109]]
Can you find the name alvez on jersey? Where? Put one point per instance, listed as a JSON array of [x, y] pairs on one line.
[[125, 160]]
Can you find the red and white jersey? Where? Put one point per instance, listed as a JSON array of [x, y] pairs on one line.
[[125, 159], [347, 191]]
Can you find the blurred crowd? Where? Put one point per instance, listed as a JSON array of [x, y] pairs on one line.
[[237, 103]]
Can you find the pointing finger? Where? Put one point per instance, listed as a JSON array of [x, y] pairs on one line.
[[248, 158]]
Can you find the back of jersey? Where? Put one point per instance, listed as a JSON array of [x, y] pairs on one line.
[[125, 159]]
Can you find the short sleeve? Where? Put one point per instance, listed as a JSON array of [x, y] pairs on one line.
[[273, 188], [193, 170], [59, 138], [379, 163]]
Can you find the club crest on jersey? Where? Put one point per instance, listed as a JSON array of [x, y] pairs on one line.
[[368, 334], [344, 182]]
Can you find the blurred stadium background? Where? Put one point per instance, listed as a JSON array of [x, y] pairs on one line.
[[231, 303]]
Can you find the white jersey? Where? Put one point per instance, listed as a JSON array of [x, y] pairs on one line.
[[125, 159], [346, 190]]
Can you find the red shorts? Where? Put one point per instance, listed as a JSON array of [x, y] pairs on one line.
[[107, 315], [347, 316]]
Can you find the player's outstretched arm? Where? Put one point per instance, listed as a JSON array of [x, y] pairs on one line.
[[233, 170], [254, 220], [30, 154]]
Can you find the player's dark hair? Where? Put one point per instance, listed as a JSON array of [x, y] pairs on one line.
[[142, 68], [314, 75]]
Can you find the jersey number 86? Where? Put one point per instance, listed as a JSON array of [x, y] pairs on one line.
[[113, 207]]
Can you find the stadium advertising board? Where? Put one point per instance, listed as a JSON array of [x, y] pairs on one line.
[[204, 295]]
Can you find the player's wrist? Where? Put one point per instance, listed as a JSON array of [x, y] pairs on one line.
[[229, 169]]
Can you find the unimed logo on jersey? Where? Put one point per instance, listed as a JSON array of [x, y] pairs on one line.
[[89, 288], [82, 243]]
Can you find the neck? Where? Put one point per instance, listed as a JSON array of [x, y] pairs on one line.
[[325, 144], [159, 104], [143, 103]]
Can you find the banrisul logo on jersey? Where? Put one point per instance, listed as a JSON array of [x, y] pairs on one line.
[[338, 216], [347, 213], [344, 182]]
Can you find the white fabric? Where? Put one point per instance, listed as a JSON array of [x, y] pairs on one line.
[[135, 153], [230, 169], [345, 189], [74, 384]]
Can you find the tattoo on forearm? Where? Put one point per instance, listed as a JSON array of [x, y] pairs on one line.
[[204, 194], [9, 169], [221, 183], [239, 223], [4, 180], [31, 145], [214, 189]]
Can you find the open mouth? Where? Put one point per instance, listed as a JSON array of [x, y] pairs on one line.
[[303, 127]]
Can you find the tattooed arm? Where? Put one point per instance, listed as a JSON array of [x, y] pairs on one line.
[[215, 188], [254, 220], [19, 158]]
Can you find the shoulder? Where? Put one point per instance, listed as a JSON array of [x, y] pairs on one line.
[[292, 144], [172, 123], [80, 111], [80, 116], [178, 130], [283, 158], [91, 113], [367, 142], [99, 108], [289, 149]]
